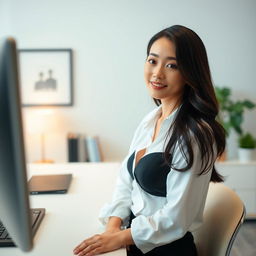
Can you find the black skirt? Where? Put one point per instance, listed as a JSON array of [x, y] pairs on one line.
[[184, 246]]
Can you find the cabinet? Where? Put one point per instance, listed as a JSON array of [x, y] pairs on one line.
[[241, 177]]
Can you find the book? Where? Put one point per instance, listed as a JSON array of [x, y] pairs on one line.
[[83, 154], [73, 147], [93, 149]]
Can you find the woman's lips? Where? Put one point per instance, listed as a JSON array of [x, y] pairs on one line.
[[158, 86]]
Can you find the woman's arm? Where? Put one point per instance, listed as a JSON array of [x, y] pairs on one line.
[[114, 224]]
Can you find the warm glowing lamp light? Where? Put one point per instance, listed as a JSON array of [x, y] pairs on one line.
[[42, 121]]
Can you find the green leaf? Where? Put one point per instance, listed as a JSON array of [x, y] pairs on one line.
[[236, 121], [238, 107], [226, 92], [248, 104], [238, 129], [222, 95], [227, 126]]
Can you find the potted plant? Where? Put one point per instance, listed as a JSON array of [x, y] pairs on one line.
[[247, 145], [231, 113]]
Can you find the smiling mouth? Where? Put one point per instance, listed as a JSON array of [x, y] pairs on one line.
[[158, 85]]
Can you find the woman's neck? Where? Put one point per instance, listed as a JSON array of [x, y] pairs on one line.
[[168, 108]]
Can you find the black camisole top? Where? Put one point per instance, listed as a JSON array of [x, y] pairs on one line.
[[150, 173]]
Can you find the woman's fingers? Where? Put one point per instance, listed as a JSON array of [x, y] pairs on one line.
[[90, 250], [86, 243], [80, 247]]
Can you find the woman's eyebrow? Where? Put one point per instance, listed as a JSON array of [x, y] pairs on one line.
[[168, 58]]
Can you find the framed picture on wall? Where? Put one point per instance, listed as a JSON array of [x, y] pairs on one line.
[[46, 77]]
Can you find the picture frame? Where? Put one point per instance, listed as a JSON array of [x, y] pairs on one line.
[[46, 77]]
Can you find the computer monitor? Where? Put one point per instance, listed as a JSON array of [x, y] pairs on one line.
[[14, 203]]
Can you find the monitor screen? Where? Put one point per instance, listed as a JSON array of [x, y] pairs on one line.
[[14, 203]]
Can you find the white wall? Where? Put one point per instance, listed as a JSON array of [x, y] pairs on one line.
[[109, 39], [4, 18]]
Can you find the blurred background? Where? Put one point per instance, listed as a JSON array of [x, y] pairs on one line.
[[109, 39]]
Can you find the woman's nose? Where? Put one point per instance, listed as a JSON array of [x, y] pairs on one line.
[[158, 72]]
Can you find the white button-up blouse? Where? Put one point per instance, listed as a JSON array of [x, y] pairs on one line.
[[166, 203]]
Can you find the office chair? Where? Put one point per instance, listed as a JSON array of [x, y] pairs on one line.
[[223, 215]]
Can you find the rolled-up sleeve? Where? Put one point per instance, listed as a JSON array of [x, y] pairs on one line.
[[186, 194]]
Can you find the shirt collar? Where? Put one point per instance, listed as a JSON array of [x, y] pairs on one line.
[[156, 113]]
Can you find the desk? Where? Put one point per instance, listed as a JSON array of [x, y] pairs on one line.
[[71, 217]]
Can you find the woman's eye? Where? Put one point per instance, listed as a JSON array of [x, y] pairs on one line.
[[151, 61], [172, 66]]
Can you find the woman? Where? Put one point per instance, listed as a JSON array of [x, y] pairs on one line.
[[163, 182]]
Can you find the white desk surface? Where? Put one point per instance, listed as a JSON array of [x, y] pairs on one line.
[[71, 217]]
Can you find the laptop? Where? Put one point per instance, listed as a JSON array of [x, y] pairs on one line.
[[49, 184]]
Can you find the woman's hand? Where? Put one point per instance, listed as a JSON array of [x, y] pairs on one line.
[[105, 242]]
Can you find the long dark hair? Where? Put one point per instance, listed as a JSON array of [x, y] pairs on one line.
[[196, 117]]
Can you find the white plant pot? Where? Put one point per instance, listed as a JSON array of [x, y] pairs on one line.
[[246, 155]]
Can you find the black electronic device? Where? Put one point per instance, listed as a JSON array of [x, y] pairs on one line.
[[49, 184], [15, 213]]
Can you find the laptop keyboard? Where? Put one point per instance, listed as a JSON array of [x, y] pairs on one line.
[[37, 215]]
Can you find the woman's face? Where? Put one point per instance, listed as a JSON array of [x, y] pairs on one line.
[[162, 76]]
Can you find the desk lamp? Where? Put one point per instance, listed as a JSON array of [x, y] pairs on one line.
[[42, 121]]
